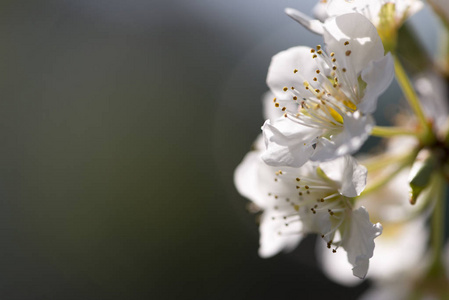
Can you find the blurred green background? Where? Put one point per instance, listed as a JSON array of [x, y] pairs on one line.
[[121, 124]]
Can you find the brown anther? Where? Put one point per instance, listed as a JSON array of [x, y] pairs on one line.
[[297, 179], [300, 193], [274, 99], [285, 89], [334, 68], [284, 108], [285, 115], [314, 56], [297, 187], [312, 50], [334, 59], [295, 71], [315, 79], [295, 98], [346, 43], [318, 47], [319, 52], [348, 52], [334, 251], [332, 54], [317, 71], [344, 69], [292, 87], [317, 90], [307, 187]]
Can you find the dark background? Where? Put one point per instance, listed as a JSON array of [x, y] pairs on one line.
[[121, 123]]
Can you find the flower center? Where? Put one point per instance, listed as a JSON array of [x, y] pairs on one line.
[[333, 92], [308, 200]]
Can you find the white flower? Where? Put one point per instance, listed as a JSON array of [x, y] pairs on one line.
[[334, 92], [311, 199], [403, 241], [394, 12]]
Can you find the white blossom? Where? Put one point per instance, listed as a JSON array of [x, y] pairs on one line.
[[377, 11], [316, 198], [332, 92]]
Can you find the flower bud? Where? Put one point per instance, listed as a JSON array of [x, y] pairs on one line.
[[421, 173]]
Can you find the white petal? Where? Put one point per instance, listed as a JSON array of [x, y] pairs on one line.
[[350, 176], [288, 143], [270, 111], [407, 8], [335, 265], [313, 25], [360, 241], [393, 254], [246, 177], [320, 11], [364, 45], [255, 180], [369, 8], [378, 76], [281, 71], [356, 131], [271, 242]]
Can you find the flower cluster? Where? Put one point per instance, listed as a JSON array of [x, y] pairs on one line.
[[319, 111]]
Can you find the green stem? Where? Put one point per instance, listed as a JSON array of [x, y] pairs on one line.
[[387, 131], [384, 160], [403, 162], [438, 225], [409, 92]]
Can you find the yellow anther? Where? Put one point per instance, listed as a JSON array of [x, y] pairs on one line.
[[332, 54], [346, 43], [285, 88], [276, 104]]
